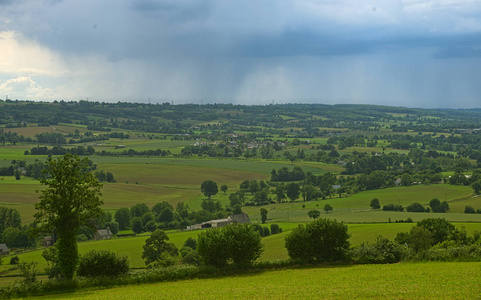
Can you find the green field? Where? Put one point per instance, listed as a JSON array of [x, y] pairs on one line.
[[397, 281], [274, 244]]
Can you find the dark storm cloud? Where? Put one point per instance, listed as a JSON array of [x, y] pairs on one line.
[[395, 51]]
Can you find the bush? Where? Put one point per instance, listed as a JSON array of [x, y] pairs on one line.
[[158, 251], [440, 228], [469, 210], [393, 207], [14, 260], [382, 251], [266, 231], [151, 226], [51, 256], [275, 229], [438, 206], [191, 242], [102, 263], [415, 207], [29, 271], [319, 241], [237, 242], [137, 224], [82, 238], [190, 256], [375, 204], [212, 249]]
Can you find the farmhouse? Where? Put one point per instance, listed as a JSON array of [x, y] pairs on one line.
[[4, 249], [239, 218], [103, 234], [47, 241]]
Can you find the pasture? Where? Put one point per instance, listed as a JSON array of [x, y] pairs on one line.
[[273, 245], [397, 281]]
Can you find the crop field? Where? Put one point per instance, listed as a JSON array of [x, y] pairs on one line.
[[31, 131], [397, 281], [355, 208]]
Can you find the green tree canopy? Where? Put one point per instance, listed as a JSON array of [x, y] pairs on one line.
[[158, 249], [209, 188], [319, 241], [71, 199], [263, 215], [122, 216], [314, 213]]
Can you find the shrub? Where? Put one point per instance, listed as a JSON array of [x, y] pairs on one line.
[[469, 210], [151, 226], [438, 206], [237, 242], [190, 256], [382, 251], [14, 260], [319, 241], [51, 256], [439, 227], [102, 263], [82, 238], [137, 224], [212, 249], [314, 213], [393, 207], [375, 204], [158, 251], [266, 231], [415, 207], [191, 242], [275, 229], [29, 271]]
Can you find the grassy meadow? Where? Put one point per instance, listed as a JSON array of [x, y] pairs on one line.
[[273, 244], [396, 281]]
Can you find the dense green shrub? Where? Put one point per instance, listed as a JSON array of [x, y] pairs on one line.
[[212, 247], [102, 263], [14, 260], [29, 271], [136, 224], [275, 229], [469, 210], [393, 207], [237, 242], [191, 242], [415, 207], [319, 241], [439, 227], [51, 256], [190, 256], [382, 251], [158, 251]]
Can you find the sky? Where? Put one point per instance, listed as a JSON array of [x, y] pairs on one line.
[[411, 53]]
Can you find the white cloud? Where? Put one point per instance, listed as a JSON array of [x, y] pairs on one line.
[[20, 56]]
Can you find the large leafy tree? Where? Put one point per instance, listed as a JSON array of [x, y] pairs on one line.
[[71, 199], [158, 250], [209, 188]]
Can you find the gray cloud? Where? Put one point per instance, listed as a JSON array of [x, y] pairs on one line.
[[395, 51]]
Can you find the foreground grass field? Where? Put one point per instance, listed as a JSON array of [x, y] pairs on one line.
[[398, 281]]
